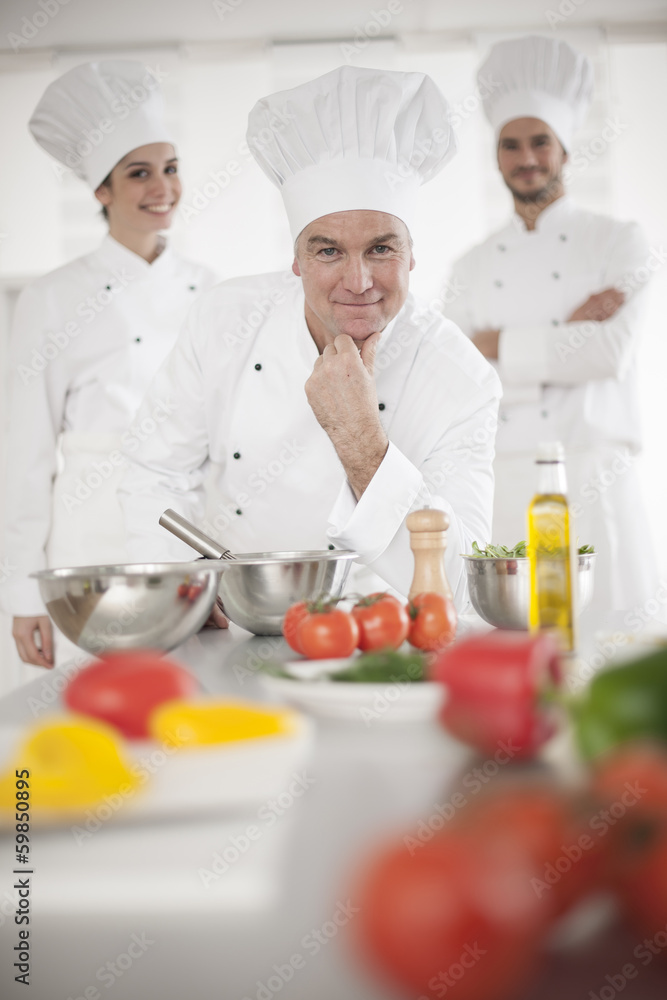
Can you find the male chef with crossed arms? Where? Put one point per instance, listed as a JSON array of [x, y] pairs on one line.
[[551, 299], [325, 404]]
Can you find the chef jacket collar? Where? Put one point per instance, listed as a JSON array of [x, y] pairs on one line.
[[113, 254], [550, 218]]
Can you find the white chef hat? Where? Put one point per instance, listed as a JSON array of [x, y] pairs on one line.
[[537, 77], [95, 114], [354, 138]]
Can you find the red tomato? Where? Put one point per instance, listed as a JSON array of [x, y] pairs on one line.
[[328, 633], [552, 828], [383, 622], [291, 621], [630, 787], [452, 914], [124, 688], [433, 621]]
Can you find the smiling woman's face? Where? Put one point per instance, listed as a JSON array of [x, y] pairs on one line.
[[144, 189], [355, 268]]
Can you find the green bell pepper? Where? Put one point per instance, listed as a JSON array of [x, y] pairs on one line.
[[628, 702]]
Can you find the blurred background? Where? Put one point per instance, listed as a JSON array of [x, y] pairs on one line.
[[215, 58]]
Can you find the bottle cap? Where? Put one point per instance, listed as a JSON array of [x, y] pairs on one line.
[[550, 451]]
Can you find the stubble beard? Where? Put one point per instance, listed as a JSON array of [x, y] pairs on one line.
[[540, 198]]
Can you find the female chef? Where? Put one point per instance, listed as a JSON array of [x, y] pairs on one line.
[[89, 336]]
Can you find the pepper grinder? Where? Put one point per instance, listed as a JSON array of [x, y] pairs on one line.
[[428, 541]]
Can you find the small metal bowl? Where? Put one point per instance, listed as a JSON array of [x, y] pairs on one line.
[[500, 588], [133, 606], [257, 588]]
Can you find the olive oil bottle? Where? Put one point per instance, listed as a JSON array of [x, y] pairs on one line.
[[552, 577]]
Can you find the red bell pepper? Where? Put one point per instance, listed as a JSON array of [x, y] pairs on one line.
[[496, 684]]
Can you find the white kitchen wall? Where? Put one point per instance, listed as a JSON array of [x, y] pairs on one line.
[[234, 221]]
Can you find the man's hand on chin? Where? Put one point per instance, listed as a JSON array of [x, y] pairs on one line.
[[342, 394]]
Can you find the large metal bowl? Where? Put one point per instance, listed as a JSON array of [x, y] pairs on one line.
[[142, 605], [500, 588], [257, 588]]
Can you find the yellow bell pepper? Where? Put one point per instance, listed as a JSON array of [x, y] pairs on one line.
[[73, 763], [185, 723]]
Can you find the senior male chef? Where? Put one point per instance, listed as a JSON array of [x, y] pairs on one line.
[[553, 300], [325, 403]]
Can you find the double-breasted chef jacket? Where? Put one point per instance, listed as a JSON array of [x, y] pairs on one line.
[[572, 382], [239, 415], [87, 339]]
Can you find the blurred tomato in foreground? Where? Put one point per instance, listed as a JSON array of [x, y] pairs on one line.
[[553, 827], [451, 914], [124, 688], [496, 686], [630, 784], [471, 906]]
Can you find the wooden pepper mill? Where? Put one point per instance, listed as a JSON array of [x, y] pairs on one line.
[[428, 542]]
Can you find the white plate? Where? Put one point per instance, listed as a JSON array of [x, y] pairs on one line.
[[231, 777], [369, 704]]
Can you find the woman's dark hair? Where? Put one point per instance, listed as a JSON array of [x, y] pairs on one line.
[[106, 183]]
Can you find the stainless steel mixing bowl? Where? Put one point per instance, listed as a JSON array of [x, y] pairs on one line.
[[142, 605], [500, 588], [257, 588]]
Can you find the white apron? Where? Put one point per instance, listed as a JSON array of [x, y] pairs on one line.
[[87, 527]]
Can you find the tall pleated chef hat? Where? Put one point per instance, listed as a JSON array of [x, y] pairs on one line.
[[95, 114], [537, 77], [354, 138]]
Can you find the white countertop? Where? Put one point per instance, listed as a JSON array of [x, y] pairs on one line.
[[231, 934]]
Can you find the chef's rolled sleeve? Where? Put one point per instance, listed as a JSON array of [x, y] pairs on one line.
[[368, 525], [456, 477]]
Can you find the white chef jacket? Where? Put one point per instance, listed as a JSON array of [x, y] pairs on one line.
[[87, 339], [572, 382], [239, 413]]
